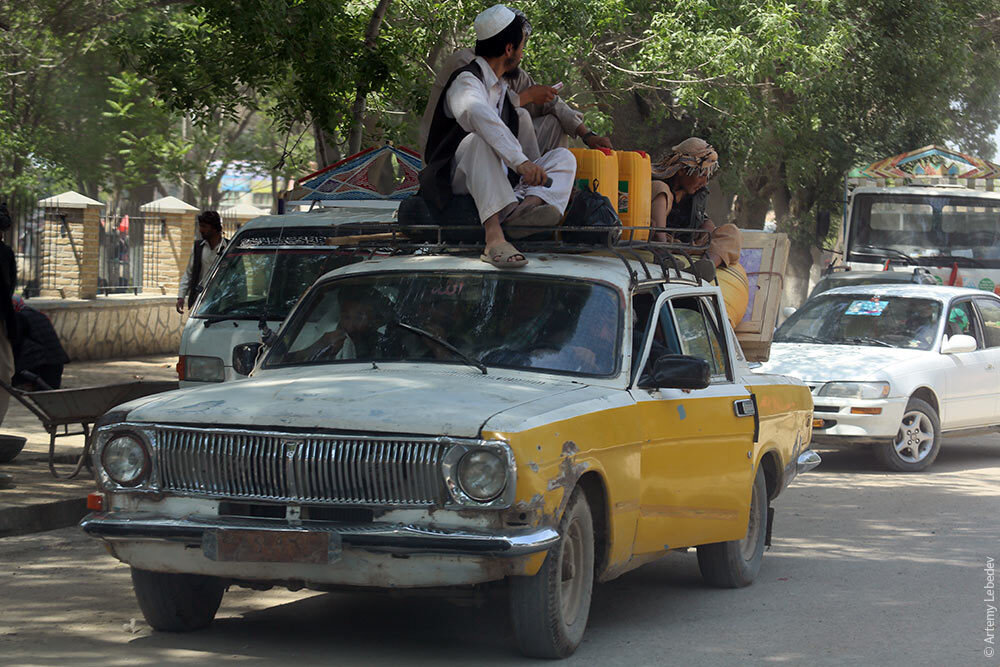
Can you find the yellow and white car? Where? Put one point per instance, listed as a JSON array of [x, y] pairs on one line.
[[431, 421]]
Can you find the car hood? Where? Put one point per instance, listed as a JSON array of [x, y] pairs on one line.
[[836, 362], [450, 400]]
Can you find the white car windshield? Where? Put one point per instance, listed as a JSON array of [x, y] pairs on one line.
[[482, 319], [861, 319]]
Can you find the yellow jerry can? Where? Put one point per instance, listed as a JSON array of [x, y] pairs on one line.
[[634, 190], [600, 165]]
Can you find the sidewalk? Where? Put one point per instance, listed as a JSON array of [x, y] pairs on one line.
[[36, 501]]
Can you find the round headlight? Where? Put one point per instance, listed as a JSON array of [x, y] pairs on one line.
[[482, 475], [125, 460]]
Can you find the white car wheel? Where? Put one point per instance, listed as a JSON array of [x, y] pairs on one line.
[[917, 442]]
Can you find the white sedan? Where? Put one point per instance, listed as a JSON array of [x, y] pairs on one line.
[[895, 366]]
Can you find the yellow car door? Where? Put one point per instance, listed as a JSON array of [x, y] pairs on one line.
[[696, 460]]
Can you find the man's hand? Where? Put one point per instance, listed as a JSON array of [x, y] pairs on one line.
[[537, 95], [180, 305], [596, 141], [531, 173]]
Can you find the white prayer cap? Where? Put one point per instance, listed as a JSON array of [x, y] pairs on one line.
[[492, 21]]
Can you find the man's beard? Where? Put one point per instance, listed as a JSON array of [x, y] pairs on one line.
[[512, 73]]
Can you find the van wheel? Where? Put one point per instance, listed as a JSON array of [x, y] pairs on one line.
[[177, 602], [549, 610], [918, 441], [736, 563]]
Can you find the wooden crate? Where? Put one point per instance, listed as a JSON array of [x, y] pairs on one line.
[[764, 257]]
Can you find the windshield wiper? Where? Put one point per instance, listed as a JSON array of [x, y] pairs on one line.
[[868, 339], [957, 259], [210, 319], [887, 252], [800, 338], [472, 361]]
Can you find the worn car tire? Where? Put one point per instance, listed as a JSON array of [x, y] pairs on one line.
[[736, 563], [177, 602], [549, 610], [920, 421]]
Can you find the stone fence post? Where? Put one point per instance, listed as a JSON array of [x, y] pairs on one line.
[[169, 237], [70, 250]]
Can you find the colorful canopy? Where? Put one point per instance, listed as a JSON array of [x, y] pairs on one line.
[[386, 173], [929, 162]]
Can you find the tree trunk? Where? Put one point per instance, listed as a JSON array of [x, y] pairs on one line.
[[326, 147], [361, 96]]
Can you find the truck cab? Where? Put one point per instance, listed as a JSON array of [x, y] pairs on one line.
[[267, 266]]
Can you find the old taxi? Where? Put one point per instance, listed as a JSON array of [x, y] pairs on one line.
[[431, 421]]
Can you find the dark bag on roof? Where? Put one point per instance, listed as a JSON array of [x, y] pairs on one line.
[[589, 208], [460, 218]]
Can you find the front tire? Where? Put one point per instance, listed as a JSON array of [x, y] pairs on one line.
[[917, 442], [177, 602], [549, 610], [736, 563]]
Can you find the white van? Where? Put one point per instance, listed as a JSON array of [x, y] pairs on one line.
[[266, 268]]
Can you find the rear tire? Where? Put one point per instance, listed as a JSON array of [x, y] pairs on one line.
[[736, 563], [549, 610], [918, 441], [177, 602]]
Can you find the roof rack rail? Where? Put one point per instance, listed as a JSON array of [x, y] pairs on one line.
[[399, 239]]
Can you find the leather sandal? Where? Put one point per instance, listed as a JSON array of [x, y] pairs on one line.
[[502, 256]]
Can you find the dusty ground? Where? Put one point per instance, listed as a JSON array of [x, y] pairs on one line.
[[867, 568]]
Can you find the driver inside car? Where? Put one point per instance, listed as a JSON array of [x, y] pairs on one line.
[[360, 334]]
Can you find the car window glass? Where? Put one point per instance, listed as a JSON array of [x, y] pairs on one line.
[[990, 312], [693, 332], [962, 320], [715, 333]]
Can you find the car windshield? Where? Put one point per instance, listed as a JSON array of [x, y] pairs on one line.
[[862, 319], [931, 230], [483, 319], [264, 272]]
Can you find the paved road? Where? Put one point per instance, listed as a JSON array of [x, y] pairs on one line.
[[867, 568]]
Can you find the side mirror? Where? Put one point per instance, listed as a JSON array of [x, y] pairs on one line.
[[678, 371], [958, 344], [788, 311], [822, 224], [245, 357]]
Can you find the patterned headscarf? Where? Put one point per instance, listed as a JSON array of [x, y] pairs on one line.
[[696, 156]]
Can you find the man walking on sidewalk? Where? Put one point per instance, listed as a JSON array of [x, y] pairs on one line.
[[206, 251]]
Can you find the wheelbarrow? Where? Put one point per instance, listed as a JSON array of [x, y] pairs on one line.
[[60, 409]]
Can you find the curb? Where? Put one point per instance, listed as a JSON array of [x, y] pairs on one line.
[[41, 517]]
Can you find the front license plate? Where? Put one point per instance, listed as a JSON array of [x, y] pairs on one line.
[[271, 546]]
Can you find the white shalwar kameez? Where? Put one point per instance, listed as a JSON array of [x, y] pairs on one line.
[[482, 158]]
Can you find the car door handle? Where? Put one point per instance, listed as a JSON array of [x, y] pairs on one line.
[[744, 407]]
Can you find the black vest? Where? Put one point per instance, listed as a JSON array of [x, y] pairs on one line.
[[443, 138], [194, 287]]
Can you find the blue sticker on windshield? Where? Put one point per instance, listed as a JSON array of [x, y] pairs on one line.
[[872, 308]]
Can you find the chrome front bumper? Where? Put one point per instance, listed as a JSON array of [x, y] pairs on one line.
[[377, 537], [807, 461]]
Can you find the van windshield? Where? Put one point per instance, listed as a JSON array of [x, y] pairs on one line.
[[932, 230], [264, 272], [482, 319]]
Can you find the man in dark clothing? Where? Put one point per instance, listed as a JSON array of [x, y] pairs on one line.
[[40, 353], [8, 322], [206, 251]]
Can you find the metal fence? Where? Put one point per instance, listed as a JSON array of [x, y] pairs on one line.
[[25, 238], [129, 257]]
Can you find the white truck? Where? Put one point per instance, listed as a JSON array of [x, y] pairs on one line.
[[268, 265]]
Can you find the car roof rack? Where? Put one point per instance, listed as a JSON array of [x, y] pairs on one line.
[[403, 239]]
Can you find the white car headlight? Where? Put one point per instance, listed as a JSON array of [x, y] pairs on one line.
[[863, 390], [203, 369], [125, 460], [482, 474]]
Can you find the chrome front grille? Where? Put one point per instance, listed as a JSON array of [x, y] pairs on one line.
[[308, 469]]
